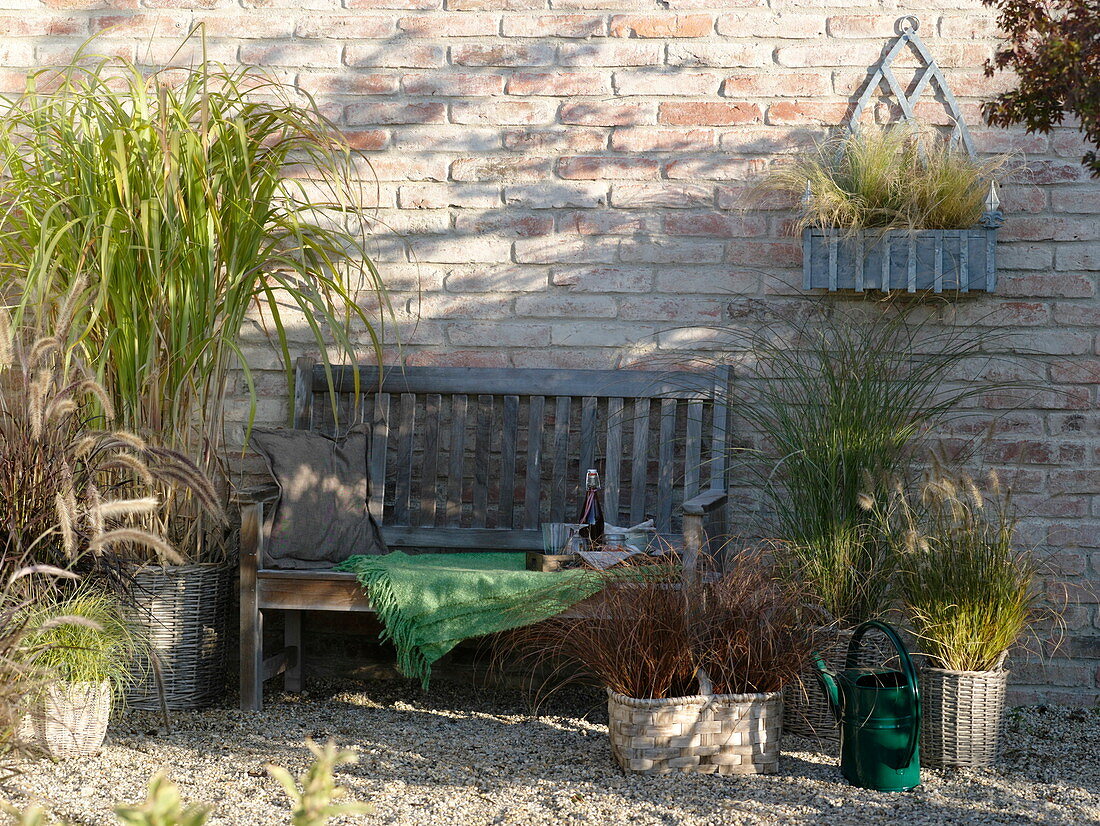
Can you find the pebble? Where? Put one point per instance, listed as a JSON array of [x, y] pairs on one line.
[[463, 756]]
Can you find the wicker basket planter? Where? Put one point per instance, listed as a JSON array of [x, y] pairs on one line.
[[184, 610], [963, 717], [68, 719], [962, 260], [708, 734]]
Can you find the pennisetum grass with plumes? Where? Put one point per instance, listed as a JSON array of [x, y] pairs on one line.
[[78, 496], [196, 202], [895, 178], [968, 590]]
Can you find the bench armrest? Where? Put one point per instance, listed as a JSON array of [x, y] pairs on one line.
[[262, 494], [704, 503]]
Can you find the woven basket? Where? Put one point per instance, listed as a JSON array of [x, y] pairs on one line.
[[184, 609], [68, 720], [806, 710], [963, 717], [708, 734]]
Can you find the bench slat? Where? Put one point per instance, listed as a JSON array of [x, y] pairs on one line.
[[403, 488], [639, 460], [560, 455], [429, 472], [509, 437], [533, 481], [613, 459], [666, 464], [457, 470], [588, 433], [693, 448], [379, 443], [719, 429], [482, 447]]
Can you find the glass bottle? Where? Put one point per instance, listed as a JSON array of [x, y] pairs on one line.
[[591, 518]]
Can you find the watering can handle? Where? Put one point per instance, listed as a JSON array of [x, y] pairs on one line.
[[907, 668]]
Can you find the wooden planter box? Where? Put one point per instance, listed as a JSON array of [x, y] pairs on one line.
[[962, 260]]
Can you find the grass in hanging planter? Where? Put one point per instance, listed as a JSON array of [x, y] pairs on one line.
[[969, 591], [897, 178]]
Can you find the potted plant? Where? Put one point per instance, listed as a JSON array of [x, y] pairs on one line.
[[239, 210], [894, 209], [84, 646], [694, 670], [841, 401], [969, 593]]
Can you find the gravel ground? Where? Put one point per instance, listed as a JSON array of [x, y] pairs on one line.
[[463, 757]]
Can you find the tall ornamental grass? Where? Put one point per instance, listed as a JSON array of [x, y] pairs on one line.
[[969, 591], [197, 202], [844, 402], [898, 178]]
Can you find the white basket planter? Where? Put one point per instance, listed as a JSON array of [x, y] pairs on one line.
[[707, 734], [68, 719], [963, 717], [184, 609]]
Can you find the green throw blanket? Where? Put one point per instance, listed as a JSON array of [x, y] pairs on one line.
[[428, 603]]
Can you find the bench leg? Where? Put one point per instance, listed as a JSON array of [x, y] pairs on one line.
[[252, 657], [292, 635]]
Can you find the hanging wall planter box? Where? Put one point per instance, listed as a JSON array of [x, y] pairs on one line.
[[914, 261]]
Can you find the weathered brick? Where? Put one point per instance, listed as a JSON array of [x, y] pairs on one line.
[[395, 55], [367, 114], [661, 140], [663, 25], [717, 224], [608, 114], [293, 55], [504, 113], [661, 195], [500, 168], [558, 84], [557, 25], [505, 222], [787, 112], [452, 85], [708, 113], [609, 54], [501, 333], [556, 195], [594, 168], [555, 140], [715, 168], [440, 196], [604, 279], [609, 222], [345, 27], [451, 25], [566, 306], [765, 24], [348, 83], [666, 83], [503, 54], [755, 55], [773, 84], [496, 278]]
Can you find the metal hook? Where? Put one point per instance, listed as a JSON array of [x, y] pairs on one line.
[[908, 23]]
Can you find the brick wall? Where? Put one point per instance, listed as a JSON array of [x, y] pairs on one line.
[[560, 182]]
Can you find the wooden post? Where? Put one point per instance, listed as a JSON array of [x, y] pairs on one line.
[[292, 635], [252, 622]]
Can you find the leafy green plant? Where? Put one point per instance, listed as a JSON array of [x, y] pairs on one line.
[[197, 202], [968, 591], [893, 178], [77, 495], [844, 401], [82, 637], [1053, 49], [313, 804], [162, 807]]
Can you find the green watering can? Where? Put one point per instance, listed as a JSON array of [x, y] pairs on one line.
[[879, 714]]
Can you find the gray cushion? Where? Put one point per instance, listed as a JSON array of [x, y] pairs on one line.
[[321, 517]]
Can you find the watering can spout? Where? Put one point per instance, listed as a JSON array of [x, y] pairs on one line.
[[828, 684]]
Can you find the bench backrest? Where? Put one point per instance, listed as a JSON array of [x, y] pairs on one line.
[[466, 457]]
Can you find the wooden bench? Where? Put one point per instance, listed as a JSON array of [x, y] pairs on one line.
[[477, 459]]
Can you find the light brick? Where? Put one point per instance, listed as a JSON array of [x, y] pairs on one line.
[[775, 84], [503, 54], [610, 54], [555, 25], [452, 85], [566, 306], [786, 113], [506, 168], [754, 55], [503, 113], [345, 27], [558, 84], [604, 279], [608, 114], [551, 195], [666, 83], [391, 55], [369, 114], [663, 25], [450, 25], [661, 140], [572, 139], [661, 196]]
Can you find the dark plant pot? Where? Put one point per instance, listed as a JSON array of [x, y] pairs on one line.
[[184, 609], [962, 260]]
